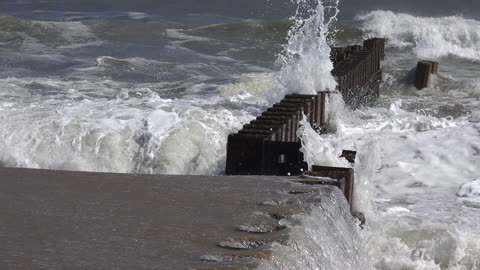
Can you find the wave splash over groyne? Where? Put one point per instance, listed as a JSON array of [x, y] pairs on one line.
[[306, 66]]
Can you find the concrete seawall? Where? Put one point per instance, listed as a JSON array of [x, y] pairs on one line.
[[81, 220]]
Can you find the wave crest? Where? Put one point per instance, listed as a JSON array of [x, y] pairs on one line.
[[430, 37], [39, 36]]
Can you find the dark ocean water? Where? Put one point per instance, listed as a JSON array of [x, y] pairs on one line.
[[269, 9]]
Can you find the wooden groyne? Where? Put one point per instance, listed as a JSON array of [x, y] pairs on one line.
[[269, 145]]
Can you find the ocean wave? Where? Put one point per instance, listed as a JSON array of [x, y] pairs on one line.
[[39, 36], [429, 37], [146, 134], [248, 30], [137, 15], [132, 63]]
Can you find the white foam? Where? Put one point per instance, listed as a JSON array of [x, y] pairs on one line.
[[81, 45], [33, 36], [116, 133], [323, 150], [396, 210], [181, 34], [177, 46], [430, 37], [408, 172], [475, 117], [469, 189], [71, 31], [255, 87], [306, 66], [325, 238], [137, 64]]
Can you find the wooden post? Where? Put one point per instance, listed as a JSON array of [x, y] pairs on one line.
[[245, 154], [284, 119], [376, 44], [291, 116], [424, 70], [349, 155], [434, 67], [345, 174]]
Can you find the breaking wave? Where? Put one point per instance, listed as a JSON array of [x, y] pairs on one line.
[[429, 37], [38, 36]]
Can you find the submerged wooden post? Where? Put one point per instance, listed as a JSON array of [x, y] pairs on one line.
[[422, 75], [424, 71], [349, 155]]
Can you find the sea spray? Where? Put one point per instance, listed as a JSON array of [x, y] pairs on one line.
[[319, 149], [307, 69], [305, 62]]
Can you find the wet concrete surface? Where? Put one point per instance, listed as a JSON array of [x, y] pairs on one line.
[[81, 220]]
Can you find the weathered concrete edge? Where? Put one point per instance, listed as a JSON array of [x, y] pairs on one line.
[[84, 220]]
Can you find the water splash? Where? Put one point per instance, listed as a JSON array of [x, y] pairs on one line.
[[319, 149], [305, 62]]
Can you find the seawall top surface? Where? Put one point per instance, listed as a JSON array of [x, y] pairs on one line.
[[81, 220]]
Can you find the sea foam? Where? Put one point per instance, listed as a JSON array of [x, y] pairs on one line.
[[431, 37], [306, 66]]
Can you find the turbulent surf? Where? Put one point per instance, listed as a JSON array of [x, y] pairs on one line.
[[139, 89]]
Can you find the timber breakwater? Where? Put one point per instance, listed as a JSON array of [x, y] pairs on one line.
[[79, 220], [269, 145]]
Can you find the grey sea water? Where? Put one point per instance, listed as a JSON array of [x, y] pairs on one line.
[[157, 86]]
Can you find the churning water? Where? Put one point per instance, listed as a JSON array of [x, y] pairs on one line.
[[156, 88]]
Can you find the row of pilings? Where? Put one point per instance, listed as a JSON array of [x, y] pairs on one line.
[[269, 144]]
